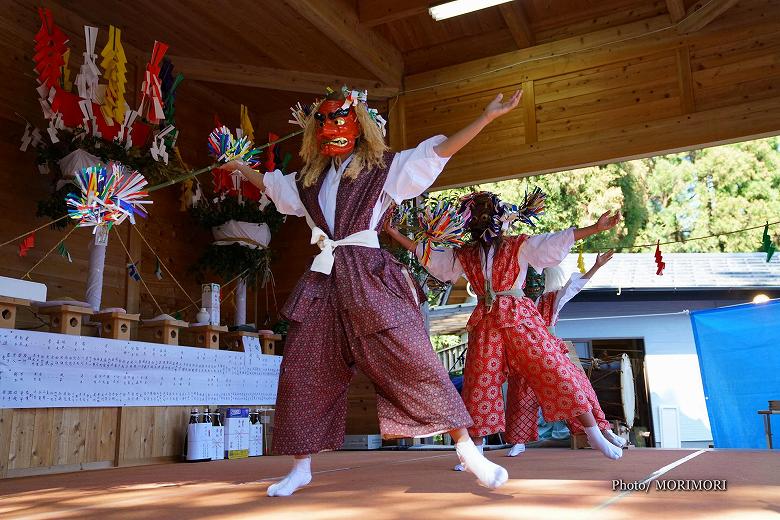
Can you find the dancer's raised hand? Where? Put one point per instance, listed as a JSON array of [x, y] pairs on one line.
[[497, 107]]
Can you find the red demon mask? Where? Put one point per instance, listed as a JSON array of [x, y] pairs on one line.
[[338, 128]]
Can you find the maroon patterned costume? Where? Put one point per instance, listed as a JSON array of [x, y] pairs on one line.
[[362, 315]]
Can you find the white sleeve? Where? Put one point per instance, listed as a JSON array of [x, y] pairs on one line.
[[413, 171], [567, 292], [548, 249], [444, 264], [283, 191]]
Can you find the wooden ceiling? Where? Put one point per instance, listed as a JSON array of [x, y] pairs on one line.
[[302, 45]]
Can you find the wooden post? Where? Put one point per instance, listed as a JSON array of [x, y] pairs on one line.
[[65, 319], [205, 336], [8, 311], [115, 325]]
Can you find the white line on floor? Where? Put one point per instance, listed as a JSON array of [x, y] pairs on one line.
[[654, 475]]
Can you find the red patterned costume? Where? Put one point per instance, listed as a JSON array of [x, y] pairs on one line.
[[510, 339]]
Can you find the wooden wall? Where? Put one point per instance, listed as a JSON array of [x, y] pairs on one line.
[[588, 100]]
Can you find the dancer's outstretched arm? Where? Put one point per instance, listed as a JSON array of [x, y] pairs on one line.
[[604, 223], [399, 237], [601, 259], [461, 138]]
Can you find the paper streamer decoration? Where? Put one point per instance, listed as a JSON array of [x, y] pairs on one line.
[[76, 161], [49, 50], [151, 106], [246, 125], [62, 250], [26, 244], [132, 272], [158, 270], [580, 261], [107, 196], [659, 259], [169, 83], [114, 65], [767, 246], [441, 226], [88, 76], [65, 72], [225, 148]]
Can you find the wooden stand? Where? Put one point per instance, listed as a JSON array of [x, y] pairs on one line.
[[162, 331], [65, 319], [268, 343], [206, 336], [115, 325], [8, 311], [233, 341]]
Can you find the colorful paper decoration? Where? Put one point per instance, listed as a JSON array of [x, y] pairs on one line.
[[88, 76], [151, 106], [62, 250], [659, 259], [767, 246], [441, 226], [108, 196], [26, 244], [225, 148], [246, 125], [114, 65], [580, 261], [49, 50], [169, 83]]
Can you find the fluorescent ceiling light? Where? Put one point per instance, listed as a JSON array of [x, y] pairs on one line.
[[459, 7]]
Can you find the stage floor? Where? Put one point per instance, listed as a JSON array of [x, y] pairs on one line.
[[545, 483]]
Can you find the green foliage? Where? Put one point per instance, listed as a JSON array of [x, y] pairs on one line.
[[445, 340], [669, 197], [210, 214], [230, 261]]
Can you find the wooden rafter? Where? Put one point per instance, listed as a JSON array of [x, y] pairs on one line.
[[271, 78], [703, 13], [339, 22], [676, 9], [518, 24], [378, 12]]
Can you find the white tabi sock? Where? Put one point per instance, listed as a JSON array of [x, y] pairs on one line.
[[516, 450], [618, 441], [296, 479], [489, 474], [461, 467], [599, 442]]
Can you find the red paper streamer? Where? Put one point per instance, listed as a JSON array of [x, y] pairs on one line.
[[270, 164], [26, 244], [49, 48], [151, 103], [659, 259]]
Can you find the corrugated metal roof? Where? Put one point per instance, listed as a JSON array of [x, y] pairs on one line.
[[683, 271]]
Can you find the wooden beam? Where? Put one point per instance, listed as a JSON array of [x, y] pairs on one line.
[[702, 14], [529, 112], [517, 22], [275, 79], [676, 10], [685, 78], [378, 12], [339, 22]]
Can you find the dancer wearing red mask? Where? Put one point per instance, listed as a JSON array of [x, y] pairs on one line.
[[355, 307], [507, 335]]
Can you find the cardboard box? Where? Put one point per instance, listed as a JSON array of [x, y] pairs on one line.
[[362, 442], [236, 432]]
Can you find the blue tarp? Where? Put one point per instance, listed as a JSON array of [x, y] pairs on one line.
[[739, 357]]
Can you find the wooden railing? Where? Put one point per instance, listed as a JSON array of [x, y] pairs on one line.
[[453, 357]]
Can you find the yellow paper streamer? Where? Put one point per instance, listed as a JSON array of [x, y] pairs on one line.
[[114, 65], [67, 84], [581, 261], [246, 124]]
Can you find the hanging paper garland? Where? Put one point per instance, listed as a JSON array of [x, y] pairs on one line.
[[158, 270], [114, 65], [26, 244], [659, 259], [246, 125], [767, 246], [62, 250], [169, 83], [132, 272]]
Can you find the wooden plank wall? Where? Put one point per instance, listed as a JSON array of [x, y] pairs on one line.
[[654, 92]]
